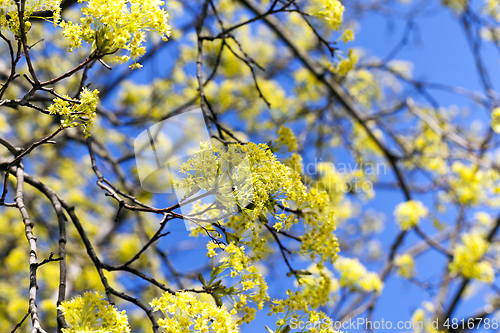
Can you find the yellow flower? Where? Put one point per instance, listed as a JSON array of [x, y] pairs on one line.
[[9, 15], [467, 256], [113, 25], [91, 313], [409, 213], [332, 12], [185, 313], [348, 35], [418, 317], [405, 265], [211, 249], [355, 276], [286, 138], [495, 120], [347, 64], [471, 183], [483, 218], [318, 287], [82, 114]]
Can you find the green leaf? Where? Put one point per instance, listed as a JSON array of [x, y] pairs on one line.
[[217, 299], [215, 272], [93, 49], [219, 290], [229, 291], [232, 238], [263, 218], [285, 329], [251, 205], [202, 279], [270, 205]]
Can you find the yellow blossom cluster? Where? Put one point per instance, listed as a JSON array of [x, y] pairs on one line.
[[355, 276], [111, 26], [363, 141], [423, 319], [408, 214], [472, 184], [307, 87], [81, 113], [334, 182], [9, 16], [272, 182], [483, 218], [30, 6], [318, 286], [235, 258], [405, 265], [185, 313], [433, 149], [296, 307], [348, 35], [286, 138], [365, 87], [270, 179], [467, 259], [284, 221], [250, 287], [319, 240], [346, 64], [279, 197], [211, 247], [332, 12], [495, 120], [91, 313], [492, 8]]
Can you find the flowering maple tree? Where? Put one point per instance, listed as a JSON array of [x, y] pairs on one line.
[[276, 82]]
